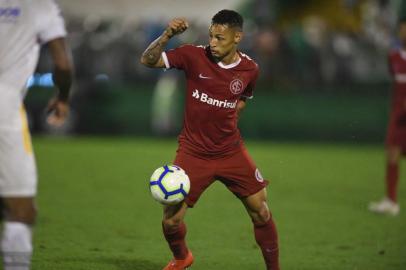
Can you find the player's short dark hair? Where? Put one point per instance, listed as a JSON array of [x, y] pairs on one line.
[[228, 17]]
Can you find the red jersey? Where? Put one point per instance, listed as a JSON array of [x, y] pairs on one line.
[[397, 68], [213, 90]]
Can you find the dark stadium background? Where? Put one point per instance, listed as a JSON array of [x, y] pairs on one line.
[[323, 68]]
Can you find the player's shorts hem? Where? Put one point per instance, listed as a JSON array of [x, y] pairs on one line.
[[189, 203], [252, 192]]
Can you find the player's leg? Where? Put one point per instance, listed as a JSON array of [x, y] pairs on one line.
[[395, 136], [201, 176], [389, 205], [241, 176], [18, 180], [264, 228], [16, 242], [392, 172], [174, 229]]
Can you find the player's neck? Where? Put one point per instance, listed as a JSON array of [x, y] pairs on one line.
[[230, 58]]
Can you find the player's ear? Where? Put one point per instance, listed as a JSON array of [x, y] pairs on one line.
[[238, 37]]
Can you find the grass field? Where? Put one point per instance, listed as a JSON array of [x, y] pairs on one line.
[[96, 211]]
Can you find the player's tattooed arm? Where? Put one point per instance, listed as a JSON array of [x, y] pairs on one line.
[[152, 56]]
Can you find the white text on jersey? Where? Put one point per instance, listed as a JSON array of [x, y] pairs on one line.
[[203, 97]]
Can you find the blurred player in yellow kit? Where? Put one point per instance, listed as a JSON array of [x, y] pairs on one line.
[[25, 25]]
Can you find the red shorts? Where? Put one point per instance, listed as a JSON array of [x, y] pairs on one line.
[[237, 171], [396, 134]]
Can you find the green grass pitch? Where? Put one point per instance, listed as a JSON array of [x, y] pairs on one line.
[[96, 211]]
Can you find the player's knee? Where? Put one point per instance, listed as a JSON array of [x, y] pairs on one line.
[[171, 224], [393, 155], [393, 159], [264, 216], [261, 216]]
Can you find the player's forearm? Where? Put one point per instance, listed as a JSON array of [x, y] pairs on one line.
[[240, 107], [152, 54], [63, 80], [63, 67]]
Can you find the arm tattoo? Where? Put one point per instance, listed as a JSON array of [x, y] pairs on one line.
[[152, 54]]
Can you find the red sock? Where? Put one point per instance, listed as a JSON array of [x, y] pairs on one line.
[[267, 239], [392, 176], [176, 241]]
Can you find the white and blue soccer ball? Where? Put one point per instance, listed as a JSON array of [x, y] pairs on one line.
[[169, 184]]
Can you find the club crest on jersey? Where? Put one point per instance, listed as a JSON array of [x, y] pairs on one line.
[[236, 86], [258, 176], [196, 94]]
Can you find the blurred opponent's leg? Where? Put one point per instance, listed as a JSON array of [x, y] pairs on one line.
[[16, 241], [18, 186], [388, 205], [392, 172]]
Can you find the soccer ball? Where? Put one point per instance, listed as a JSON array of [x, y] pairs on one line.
[[169, 184]]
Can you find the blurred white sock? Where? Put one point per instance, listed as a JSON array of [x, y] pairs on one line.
[[16, 246]]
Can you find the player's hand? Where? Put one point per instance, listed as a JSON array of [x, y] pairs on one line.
[[176, 27], [58, 111]]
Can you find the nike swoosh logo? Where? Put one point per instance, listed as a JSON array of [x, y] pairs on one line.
[[203, 77]]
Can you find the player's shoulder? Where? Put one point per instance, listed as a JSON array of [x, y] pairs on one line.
[[247, 62], [192, 48], [40, 5], [42, 10]]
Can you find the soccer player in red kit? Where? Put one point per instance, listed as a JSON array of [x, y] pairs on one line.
[[396, 134], [219, 79]]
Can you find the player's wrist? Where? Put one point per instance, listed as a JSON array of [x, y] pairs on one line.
[[63, 98], [167, 34]]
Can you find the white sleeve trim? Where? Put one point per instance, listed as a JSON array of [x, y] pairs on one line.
[[56, 32], [166, 61], [249, 97]]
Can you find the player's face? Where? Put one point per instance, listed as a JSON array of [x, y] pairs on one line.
[[223, 40], [402, 33]]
